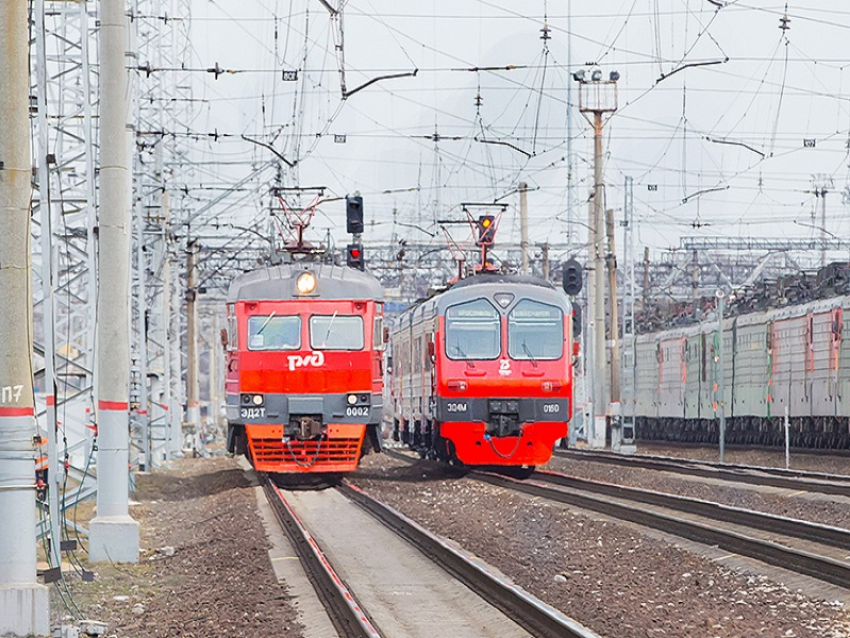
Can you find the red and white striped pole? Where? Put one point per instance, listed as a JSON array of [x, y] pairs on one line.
[[113, 534], [23, 602]]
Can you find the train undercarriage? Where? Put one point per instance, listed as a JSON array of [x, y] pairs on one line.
[[832, 433]]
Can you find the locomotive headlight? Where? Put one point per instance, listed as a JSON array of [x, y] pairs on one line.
[[252, 399], [306, 283], [352, 399]]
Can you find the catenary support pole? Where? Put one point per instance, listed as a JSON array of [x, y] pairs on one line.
[[721, 373], [143, 409], [193, 386], [823, 230], [162, 444], [113, 534], [613, 328], [523, 226], [175, 441], [23, 602], [45, 213], [600, 397]]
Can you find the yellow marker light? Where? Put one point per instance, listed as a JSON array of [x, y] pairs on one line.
[[486, 222], [306, 283]]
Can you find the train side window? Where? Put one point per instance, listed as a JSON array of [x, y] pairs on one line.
[[473, 331], [274, 332], [378, 333], [336, 332], [535, 331], [232, 333]]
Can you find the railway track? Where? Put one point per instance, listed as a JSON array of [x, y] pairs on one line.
[[354, 611], [347, 616], [697, 521], [834, 484], [801, 546]]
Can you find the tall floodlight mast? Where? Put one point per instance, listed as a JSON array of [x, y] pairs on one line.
[[599, 97]]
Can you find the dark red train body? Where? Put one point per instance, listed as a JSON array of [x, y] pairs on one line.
[[482, 373], [304, 376]]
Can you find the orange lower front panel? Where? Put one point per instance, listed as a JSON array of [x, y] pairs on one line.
[[339, 452], [534, 447]]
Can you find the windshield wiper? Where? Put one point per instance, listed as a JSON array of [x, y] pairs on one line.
[[528, 352], [330, 325], [266, 322], [464, 355]]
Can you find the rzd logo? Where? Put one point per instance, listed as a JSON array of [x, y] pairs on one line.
[[314, 359]]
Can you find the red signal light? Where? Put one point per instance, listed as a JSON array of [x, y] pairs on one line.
[[354, 256]]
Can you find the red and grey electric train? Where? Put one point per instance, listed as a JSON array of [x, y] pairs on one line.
[[482, 373], [304, 377]]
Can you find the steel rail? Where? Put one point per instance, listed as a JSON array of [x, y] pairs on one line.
[[533, 615], [795, 528], [349, 618], [835, 484], [803, 562]]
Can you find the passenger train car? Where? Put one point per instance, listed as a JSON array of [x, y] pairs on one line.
[[482, 372], [304, 379], [794, 358]]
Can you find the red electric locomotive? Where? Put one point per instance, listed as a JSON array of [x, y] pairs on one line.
[[304, 378], [482, 372]]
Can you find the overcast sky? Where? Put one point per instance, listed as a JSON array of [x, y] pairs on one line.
[[726, 122]]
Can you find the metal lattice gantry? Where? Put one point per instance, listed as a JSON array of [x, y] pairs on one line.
[[64, 109], [156, 389], [64, 128]]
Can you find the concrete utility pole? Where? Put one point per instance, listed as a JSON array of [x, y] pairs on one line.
[[23, 602], [193, 387], [600, 396], [113, 534], [598, 97], [721, 372], [523, 226], [175, 442], [627, 387], [613, 333], [544, 249]]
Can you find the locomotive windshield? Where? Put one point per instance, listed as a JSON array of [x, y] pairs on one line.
[[535, 331], [473, 331], [336, 332], [274, 332]]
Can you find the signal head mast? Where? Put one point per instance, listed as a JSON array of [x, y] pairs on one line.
[[484, 229]]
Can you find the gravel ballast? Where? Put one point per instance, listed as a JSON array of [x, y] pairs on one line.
[[608, 576], [204, 569]]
